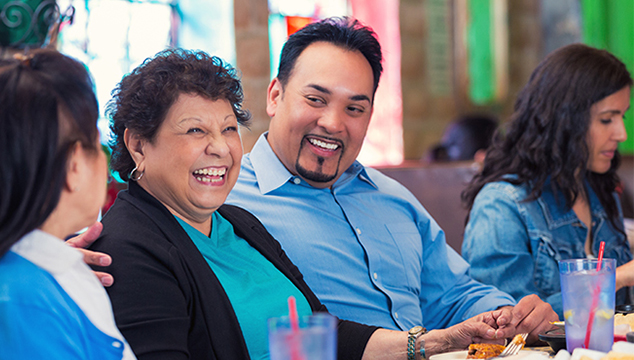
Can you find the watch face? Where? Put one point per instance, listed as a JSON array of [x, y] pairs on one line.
[[415, 330]]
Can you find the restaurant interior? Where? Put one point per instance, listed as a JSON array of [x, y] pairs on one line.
[[443, 59]]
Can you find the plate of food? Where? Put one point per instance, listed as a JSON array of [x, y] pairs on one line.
[[462, 355], [479, 351]]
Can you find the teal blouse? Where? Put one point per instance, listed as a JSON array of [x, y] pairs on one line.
[[256, 288]]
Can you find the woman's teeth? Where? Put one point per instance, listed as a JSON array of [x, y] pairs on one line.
[[212, 172], [217, 173], [322, 144]]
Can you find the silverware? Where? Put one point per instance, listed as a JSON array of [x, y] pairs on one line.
[[514, 347]]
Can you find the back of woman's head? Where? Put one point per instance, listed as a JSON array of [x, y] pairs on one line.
[[547, 133], [47, 105], [142, 99]]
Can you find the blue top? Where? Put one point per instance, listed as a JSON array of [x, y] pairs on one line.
[[366, 247], [516, 245], [38, 318], [255, 296]]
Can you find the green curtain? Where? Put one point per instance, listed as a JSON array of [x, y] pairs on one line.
[[609, 24], [481, 63]]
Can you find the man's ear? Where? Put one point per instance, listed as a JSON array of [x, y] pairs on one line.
[[273, 95], [135, 144]]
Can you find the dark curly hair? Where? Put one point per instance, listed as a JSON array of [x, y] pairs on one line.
[[142, 99], [345, 32], [48, 106], [547, 132]]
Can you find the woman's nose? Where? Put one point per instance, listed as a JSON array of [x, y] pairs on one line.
[[620, 134], [217, 146]]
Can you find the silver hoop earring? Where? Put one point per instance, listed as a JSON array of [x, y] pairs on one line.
[[136, 177]]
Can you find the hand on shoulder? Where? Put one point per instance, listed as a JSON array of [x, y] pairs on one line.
[[86, 239]]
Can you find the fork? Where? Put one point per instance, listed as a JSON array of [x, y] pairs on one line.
[[514, 347]]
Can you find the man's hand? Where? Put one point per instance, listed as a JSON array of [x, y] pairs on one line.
[[91, 257], [533, 316]]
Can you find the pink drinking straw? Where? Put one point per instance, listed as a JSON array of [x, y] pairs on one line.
[[292, 314], [294, 319], [595, 298]]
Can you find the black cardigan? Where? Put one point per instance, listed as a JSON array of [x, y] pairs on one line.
[[168, 303]]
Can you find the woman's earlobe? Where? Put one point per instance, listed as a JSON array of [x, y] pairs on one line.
[[134, 142], [73, 168]]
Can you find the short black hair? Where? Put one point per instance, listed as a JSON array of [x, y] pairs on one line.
[[142, 99], [345, 32], [464, 137], [48, 106]]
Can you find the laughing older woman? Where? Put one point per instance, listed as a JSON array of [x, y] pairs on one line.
[[195, 278]]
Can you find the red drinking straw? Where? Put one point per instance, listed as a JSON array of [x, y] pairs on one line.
[[296, 353], [595, 299], [292, 314]]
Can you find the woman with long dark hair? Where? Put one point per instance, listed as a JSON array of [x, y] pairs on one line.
[[53, 176], [547, 188]]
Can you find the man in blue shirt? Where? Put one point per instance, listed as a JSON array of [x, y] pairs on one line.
[[365, 245]]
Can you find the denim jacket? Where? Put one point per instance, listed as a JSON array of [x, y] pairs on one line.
[[516, 245]]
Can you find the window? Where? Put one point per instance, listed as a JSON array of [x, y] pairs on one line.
[[112, 37]]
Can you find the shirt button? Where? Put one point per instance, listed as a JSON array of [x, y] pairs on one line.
[[358, 231], [116, 344], [375, 275], [396, 315], [297, 180]]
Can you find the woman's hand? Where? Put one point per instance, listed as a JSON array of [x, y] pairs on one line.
[[390, 344], [625, 275], [91, 257], [479, 329]]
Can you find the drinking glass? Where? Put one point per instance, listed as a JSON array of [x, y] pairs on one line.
[[316, 338], [582, 286]]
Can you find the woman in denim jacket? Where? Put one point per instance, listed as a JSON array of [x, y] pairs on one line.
[[546, 191]]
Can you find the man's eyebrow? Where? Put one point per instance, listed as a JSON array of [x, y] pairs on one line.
[[322, 89], [360, 98], [319, 88]]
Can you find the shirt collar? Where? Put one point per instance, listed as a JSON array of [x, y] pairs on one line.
[[47, 251], [556, 204], [272, 174]]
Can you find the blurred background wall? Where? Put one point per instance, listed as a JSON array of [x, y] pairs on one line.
[[443, 58]]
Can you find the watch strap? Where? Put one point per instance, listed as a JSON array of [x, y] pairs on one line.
[[411, 347], [412, 335]]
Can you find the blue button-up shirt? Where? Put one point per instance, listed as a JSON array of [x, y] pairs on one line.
[[516, 245], [366, 246]]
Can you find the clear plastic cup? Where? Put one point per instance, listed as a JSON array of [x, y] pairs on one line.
[[582, 286], [315, 340]]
